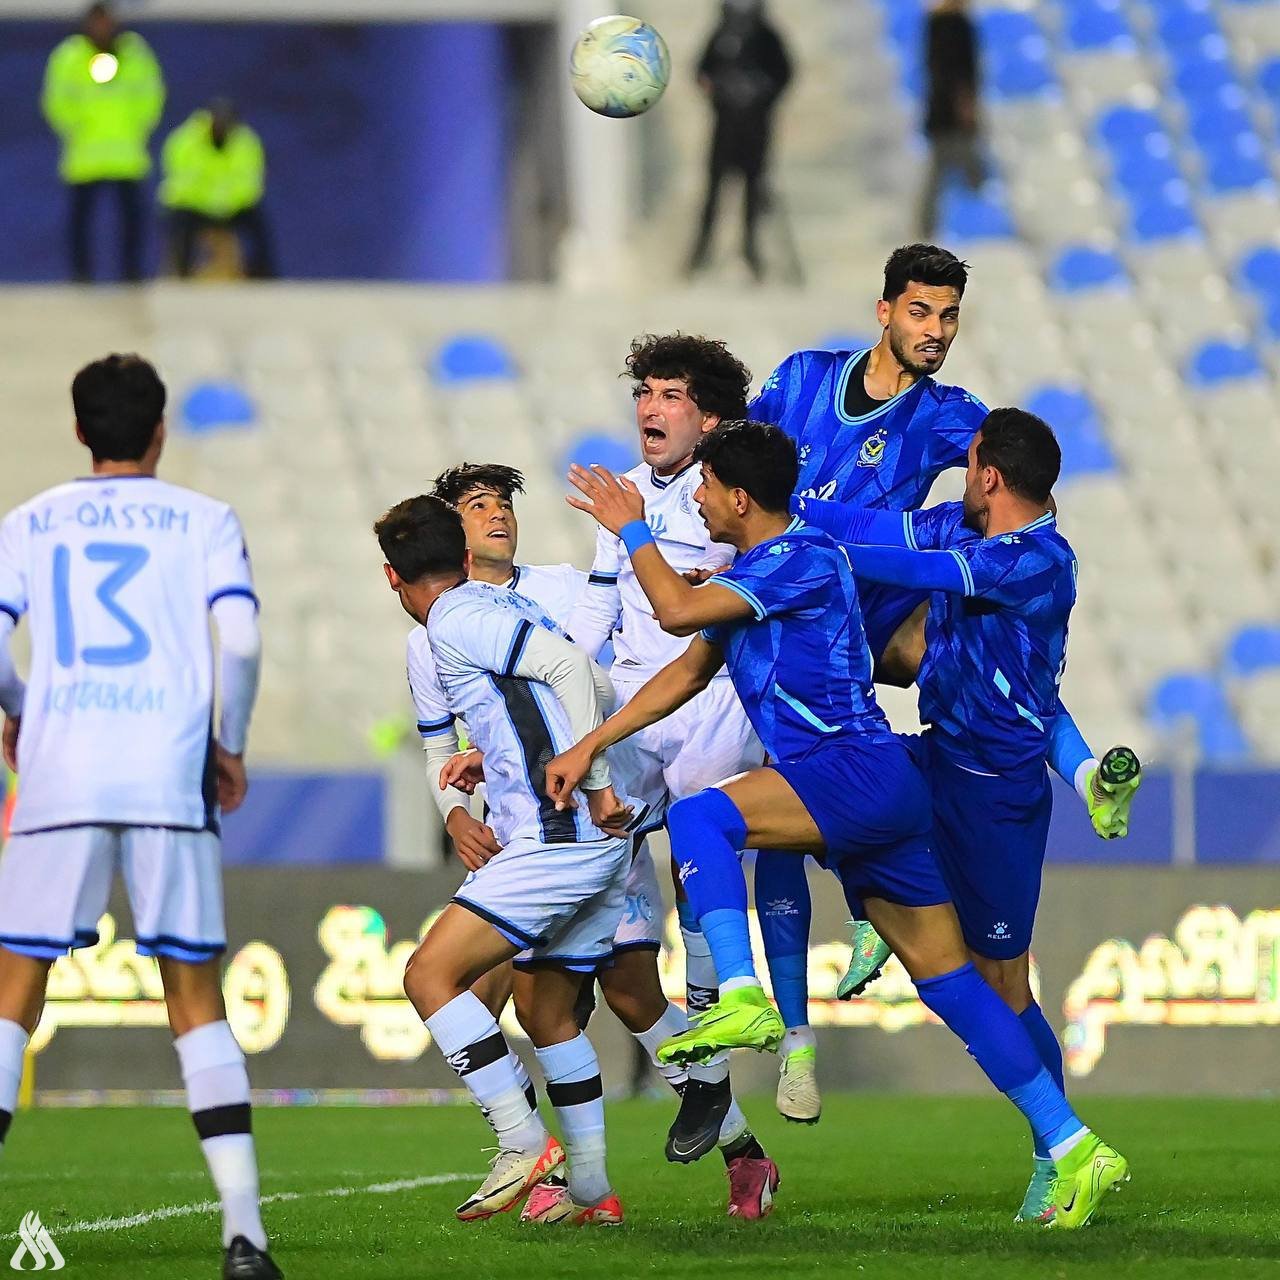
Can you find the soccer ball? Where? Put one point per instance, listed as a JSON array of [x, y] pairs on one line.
[[619, 67]]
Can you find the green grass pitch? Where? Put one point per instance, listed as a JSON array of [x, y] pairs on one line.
[[882, 1187]]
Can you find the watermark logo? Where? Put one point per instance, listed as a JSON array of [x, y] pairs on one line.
[[37, 1244]]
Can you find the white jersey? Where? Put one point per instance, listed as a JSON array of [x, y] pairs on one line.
[[554, 588], [117, 575], [477, 634], [614, 603]]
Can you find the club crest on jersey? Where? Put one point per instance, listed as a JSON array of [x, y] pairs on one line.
[[686, 500], [872, 452], [658, 524]]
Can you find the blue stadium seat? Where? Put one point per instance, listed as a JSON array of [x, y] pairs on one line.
[[1096, 24], [1204, 73], [1218, 361], [1017, 56], [1144, 169], [473, 358], [1080, 267], [603, 448], [1259, 270], [1186, 22], [1240, 166], [1253, 649], [211, 406], [1074, 419], [1123, 126], [1213, 125], [1198, 698], [1269, 80], [1271, 319], [968, 215], [1164, 214]]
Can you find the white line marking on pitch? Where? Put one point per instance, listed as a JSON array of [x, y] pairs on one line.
[[279, 1197]]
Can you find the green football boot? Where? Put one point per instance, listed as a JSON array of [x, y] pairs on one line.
[[740, 1019], [1037, 1204], [870, 952], [1085, 1174], [1111, 790]]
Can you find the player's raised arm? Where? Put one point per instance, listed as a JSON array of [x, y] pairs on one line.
[[598, 610], [670, 689], [848, 523], [681, 608]]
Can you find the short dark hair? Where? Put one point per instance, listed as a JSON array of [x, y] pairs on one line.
[[925, 264], [717, 380], [454, 485], [119, 401], [755, 456], [422, 537], [1023, 449]]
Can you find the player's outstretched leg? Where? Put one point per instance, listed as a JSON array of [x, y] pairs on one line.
[[544, 1003], [707, 833], [928, 942], [784, 909], [457, 949], [1109, 792], [867, 958], [217, 1085]]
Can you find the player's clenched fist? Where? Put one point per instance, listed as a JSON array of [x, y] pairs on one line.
[[613, 500], [565, 772], [473, 841]]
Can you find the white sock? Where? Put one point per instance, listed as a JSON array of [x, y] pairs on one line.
[[702, 986], [798, 1038], [574, 1088], [672, 1023], [217, 1084], [737, 984], [1081, 780], [1060, 1149], [474, 1047], [525, 1082], [13, 1044]]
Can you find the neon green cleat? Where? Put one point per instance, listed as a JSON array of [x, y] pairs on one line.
[[740, 1019], [1111, 790], [1085, 1174], [1037, 1204], [870, 952]]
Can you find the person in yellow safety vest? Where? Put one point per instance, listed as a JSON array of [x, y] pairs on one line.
[[214, 174], [103, 95]]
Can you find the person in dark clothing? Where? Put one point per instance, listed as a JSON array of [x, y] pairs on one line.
[[744, 70], [951, 111]]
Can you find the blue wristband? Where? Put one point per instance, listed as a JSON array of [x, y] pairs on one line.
[[636, 534]]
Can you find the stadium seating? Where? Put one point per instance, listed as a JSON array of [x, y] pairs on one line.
[[1137, 158]]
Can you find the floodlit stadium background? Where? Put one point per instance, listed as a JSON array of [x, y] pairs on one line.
[[470, 253]]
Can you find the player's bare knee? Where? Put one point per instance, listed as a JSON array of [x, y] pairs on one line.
[[430, 981], [1009, 979], [634, 995], [192, 993]]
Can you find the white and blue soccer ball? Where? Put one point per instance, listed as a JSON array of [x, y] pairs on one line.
[[620, 66]]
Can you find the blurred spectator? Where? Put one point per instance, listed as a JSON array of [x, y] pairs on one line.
[[951, 112], [213, 176], [744, 70], [103, 95]]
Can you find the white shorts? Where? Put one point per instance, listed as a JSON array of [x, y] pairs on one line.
[[708, 740], [561, 902], [54, 887], [641, 927]]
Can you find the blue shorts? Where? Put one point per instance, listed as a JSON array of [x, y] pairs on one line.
[[884, 610], [989, 834], [869, 800]]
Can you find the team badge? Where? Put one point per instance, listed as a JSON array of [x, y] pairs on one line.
[[872, 452]]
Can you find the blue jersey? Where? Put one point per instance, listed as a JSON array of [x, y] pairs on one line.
[[994, 657], [800, 664], [888, 458]]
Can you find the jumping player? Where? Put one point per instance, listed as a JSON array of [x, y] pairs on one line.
[[785, 619], [554, 892]]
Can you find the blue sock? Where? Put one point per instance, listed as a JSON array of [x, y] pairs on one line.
[[785, 910], [1046, 1043], [1066, 749], [707, 833], [1001, 1046]]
